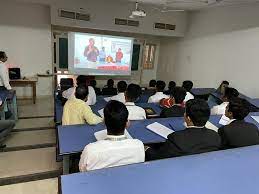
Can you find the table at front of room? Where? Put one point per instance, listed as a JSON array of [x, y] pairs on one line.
[[233, 171], [24, 83]]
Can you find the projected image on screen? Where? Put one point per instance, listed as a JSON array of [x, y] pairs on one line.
[[100, 55]]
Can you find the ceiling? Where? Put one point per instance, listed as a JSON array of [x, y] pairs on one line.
[[193, 4], [169, 4]]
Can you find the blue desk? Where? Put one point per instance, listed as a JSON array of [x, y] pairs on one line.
[[221, 172], [202, 91], [72, 139]]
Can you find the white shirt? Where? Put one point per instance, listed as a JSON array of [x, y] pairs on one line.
[[70, 93], [4, 76], [119, 97], [157, 97], [219, 109], [188, 96], [114, 151], [135, 112]]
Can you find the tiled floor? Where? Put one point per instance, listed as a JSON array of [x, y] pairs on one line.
[[47, 186], [23, 156]]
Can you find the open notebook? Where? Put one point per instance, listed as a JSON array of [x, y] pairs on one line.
[[160, 129], [256, 118], [102, 135]]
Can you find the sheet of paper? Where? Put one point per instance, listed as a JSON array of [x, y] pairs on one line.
[[224, 120], [101, 113], [209, 125], [101, 135], [256, 118], [107, 99], [160, 129]]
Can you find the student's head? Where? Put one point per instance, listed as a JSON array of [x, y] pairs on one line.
[[224, 84], [132, 93], [110, 83], [81, 80], [237, 108], [179, 94], [152, 83], [160, 86], [81, 92], [197, 112], [230, 93], [3, 56], [187, 85], [121, 86], [171, 85], [115, 117], [93, 83]]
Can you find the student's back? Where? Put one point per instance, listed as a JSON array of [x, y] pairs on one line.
[[116, 149], [109, 90], [238, 133], [160, 86]]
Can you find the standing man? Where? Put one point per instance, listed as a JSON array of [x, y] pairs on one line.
[[91, 53], [119, 56], [4, 75], [102, 55]]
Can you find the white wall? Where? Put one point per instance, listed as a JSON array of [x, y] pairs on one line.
[[103, 14], [25, 35], [220, 44]]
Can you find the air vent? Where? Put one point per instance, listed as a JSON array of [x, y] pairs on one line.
[[122, 22], [133, 23], [67, 14], [164, 26], [81, 16], [125, 22]]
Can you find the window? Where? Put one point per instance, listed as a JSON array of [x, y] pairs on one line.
[[149, 56]]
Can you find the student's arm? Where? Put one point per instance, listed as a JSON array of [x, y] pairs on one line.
[[150, 100], [90, 117], [68, 93], [91, 97], [83, 161], [5, 78]]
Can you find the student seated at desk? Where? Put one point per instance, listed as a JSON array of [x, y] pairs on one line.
[[97, 90], [121, 87], [221, 89], [151, 90], [77, 112], [171, 86], [195, 139], [131, 96], [109, 89], [238, 133], [220, 109], [176, 109], [4, 75], [160, 86], [187, 85], [116, 149], [81, 80]]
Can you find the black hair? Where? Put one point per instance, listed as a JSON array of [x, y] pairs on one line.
[[239, 107], [198, 110], [187, 85], [115, 117], [81, 92], [152, 83], [81, 80], [133, 92], [171, 85], [231, 93], [2, 54], [224, 82], [179, 94], [93, 83], [110, 83], [160, 86], [122, 86]]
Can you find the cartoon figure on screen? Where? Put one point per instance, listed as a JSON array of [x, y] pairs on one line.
[[119, 55], [102, 55], [91, 53]]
